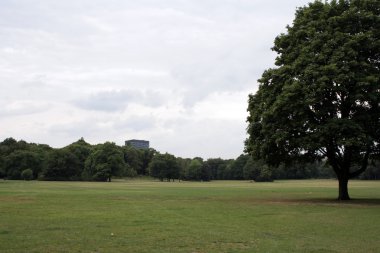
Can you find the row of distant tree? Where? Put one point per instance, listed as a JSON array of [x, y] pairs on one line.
[[102, 162]]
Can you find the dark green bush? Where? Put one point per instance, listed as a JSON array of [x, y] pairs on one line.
[[27, 174]]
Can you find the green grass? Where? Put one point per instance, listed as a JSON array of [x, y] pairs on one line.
[[220, 216]]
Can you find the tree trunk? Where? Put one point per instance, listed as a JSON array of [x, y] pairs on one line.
[[343, 189]]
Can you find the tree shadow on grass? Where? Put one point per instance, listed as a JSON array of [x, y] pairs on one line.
[[359, 202], [327, 201]]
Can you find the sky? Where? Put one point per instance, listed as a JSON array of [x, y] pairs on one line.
[[175, 72]]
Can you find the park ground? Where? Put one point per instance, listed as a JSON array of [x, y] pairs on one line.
[[218, 216]]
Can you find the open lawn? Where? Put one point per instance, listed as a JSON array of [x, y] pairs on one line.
[[219, 216]]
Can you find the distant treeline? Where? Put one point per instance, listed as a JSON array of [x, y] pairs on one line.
[[102, 162]]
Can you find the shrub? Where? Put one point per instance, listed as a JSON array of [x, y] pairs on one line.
[[27, 174], [265, 175]]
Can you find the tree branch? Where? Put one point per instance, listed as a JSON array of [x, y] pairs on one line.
[[333, 161], [322, 151]]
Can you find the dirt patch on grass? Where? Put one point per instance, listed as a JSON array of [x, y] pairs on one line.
[[17, 199], [120, 198], [231, 245]]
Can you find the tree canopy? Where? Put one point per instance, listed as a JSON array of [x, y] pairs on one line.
[[106, 161], [164, 166], [101, 162], [322, 98]]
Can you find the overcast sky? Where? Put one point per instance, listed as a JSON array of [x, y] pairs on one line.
[[174, 72]]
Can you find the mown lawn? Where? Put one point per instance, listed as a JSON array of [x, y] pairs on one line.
[[219, 216]]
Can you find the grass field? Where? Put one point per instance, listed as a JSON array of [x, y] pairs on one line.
[[220, 216]]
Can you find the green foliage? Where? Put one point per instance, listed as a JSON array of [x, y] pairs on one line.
[[298, 170], [183, 164], [19, 160], [215, 167], [105, 161], [237, 167], [69, 163], [66, 163], [2, 170], [265, 174], [16, 156], [164, 166], [373, 171], [194, 170], [62, 165], [81, 149], [157, 167], [205, 172], [252, 168], [9, 145], [323, 98], [258, 171], [146, 156], [132, 157], [138, 159], [27, 174]]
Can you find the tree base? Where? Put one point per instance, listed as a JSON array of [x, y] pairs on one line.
[[343, 190], [343, 198]]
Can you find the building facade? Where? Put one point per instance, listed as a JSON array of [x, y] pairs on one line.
[[139, 144]]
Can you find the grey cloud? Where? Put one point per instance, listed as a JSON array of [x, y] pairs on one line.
[[136, 123], [100, 129], [22, 107], [108, 100], [115, 56], [76, 129], [206, 138], [155, 99], [118, 100], [213, 76]]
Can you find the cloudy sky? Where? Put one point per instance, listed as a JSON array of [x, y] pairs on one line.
[[174, 72]]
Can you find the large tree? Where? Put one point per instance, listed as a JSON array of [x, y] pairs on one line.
[[322, 98], [164, 166], [62, 165], [106, 160]]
